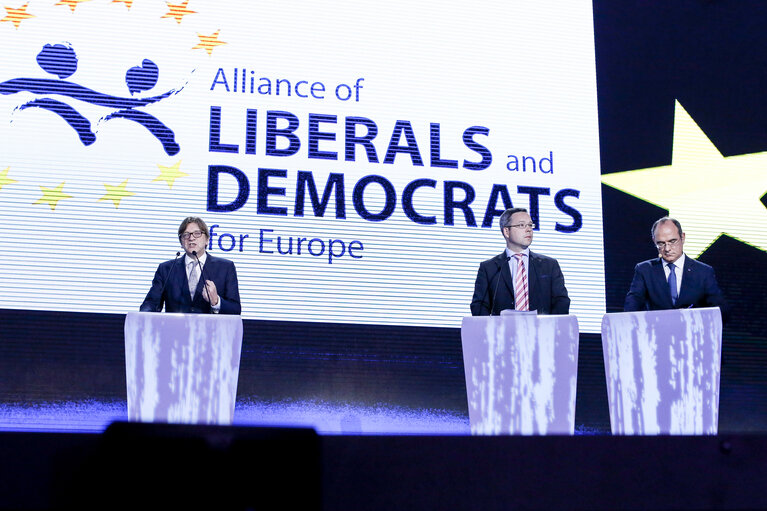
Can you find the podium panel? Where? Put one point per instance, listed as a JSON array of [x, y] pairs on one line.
[[182, 368], [662, 370], [521, 372]]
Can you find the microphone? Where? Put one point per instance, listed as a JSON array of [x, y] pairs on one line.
[[500, 267], [167, 279]]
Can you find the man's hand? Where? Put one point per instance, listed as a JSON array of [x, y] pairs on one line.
[[209, 292]]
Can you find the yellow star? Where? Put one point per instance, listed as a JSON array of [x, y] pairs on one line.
[[178, 11], [4, 179], [208, 42], [700, 179], [52, 196], [71, 3], [128, 3], [116, 193], [170, 174], [17, 15]]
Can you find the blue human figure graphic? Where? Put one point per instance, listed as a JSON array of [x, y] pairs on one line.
[[138, 79], [58, 59], [61, 60], [141, 78]]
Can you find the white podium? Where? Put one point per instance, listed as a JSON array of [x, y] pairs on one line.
[[521, 372], [182, 368], [662, 370]]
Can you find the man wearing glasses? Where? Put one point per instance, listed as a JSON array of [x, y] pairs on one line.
[[197, 282], [518, 278], [673, 280]]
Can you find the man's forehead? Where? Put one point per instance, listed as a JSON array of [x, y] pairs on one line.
[[192, 227], [520, 215], [669, 227]]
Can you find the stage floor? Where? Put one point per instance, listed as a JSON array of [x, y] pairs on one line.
[[173, 466]]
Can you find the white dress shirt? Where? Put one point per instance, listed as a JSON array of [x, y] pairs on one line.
[[513, 264], [204, 257]]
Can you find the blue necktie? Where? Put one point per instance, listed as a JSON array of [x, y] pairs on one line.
[[672, 283]]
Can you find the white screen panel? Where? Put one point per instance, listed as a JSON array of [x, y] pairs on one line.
[[499, 79]]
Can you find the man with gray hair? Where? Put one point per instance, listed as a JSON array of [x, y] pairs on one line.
[[672, 280], [518, 278]]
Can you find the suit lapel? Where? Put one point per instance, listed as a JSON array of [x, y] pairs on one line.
[[505, 272], [185, 283], [532, 278], [179, 287], [533, 289], [200, 281], [688, 277]]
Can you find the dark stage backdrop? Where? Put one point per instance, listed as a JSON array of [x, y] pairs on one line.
[[659, 67], [709, 57]]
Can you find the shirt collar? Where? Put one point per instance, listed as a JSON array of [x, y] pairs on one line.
[[525, 252], [679, 263], [203, 258]]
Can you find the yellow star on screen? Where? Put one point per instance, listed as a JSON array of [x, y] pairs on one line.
[[17, 15], [128, 3], [52, 196], [116, 193], [208, 42], [178, 11], [699, 182], [71, 3], [4, 179], [170, 174]]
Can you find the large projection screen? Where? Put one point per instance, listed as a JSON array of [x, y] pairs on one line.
[[351, 159]]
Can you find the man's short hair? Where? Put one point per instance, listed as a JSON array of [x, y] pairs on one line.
[[506, 215], [193, 220], [663, 220]]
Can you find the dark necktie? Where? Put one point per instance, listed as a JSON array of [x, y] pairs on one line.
[[672, 283]]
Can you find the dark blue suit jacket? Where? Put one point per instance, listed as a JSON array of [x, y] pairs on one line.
[[548, 294], [171, 287], [649, 290]]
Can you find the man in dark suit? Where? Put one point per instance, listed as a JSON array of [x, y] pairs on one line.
[[673, 280], [518, 278], [198, 282]]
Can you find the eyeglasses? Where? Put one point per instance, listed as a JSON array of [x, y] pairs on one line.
[[192, 235], [671, 243], [522, 226]]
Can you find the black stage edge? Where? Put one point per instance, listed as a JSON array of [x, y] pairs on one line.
[[140, 466]]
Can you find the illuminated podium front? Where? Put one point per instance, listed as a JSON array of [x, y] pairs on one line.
[[662, 370], [182, 368], [521, 371]]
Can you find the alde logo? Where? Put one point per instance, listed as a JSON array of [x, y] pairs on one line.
[[61, 60], [72, 68]]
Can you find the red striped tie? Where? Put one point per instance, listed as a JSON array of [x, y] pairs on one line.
[[521, 297]]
